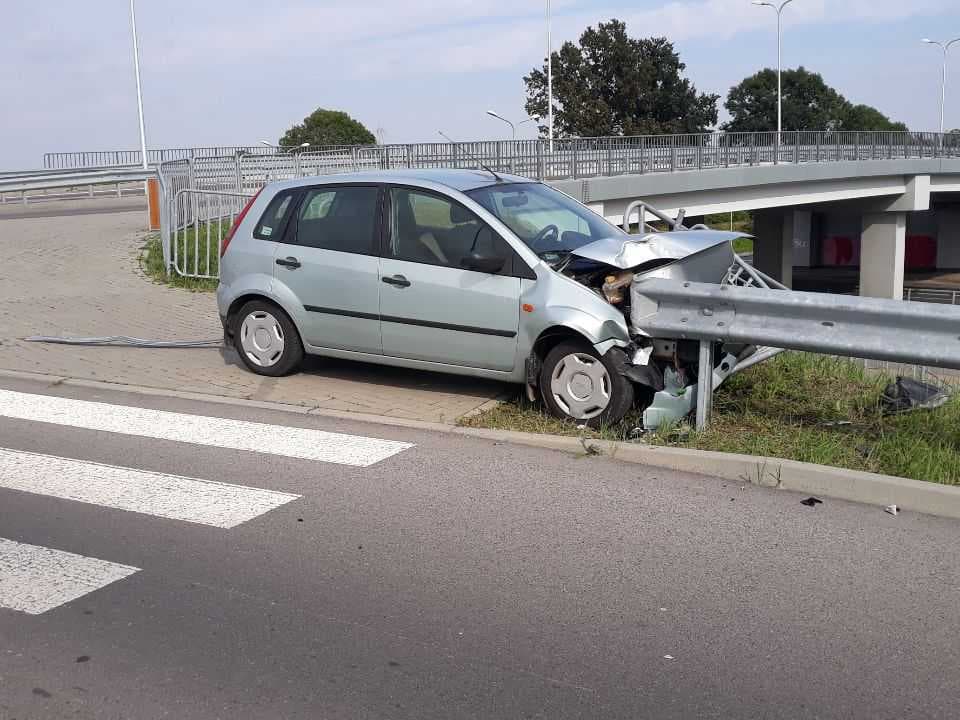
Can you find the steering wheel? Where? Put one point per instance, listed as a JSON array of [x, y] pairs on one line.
[[550, 231]]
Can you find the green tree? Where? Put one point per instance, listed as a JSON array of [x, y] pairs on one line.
[[808, 104], [328, 127], [864, 117], [612, 84]]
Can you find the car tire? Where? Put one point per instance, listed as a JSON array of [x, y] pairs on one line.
[[267, 340], [577, 383]]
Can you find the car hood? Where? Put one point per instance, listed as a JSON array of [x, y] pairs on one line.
[[632, 252]]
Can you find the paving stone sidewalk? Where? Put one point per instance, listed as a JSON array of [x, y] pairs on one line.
[[78, 275]]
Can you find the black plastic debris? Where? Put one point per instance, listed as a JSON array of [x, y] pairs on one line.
[[811, 502], [907, 394]]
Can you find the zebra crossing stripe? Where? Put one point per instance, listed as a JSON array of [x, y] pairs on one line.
[[151, 493], [219, 432], [36, 579]]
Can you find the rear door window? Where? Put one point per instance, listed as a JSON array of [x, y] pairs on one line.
[[276, 217], [341, 218]]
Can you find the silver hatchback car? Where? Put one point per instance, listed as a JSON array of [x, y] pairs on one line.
[[457, 271]]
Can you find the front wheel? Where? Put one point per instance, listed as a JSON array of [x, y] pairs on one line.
[[267, 340], [576, 383]]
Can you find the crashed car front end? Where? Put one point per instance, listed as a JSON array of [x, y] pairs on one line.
[[667, 368]]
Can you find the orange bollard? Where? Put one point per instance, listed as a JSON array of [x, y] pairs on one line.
[[153, 203]]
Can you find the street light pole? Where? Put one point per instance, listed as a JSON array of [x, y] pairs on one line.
[[945, 46], [549, 76], [779, 11], [513, 128], [136, 67]]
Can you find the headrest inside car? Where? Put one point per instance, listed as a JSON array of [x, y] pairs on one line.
[[460, 215]]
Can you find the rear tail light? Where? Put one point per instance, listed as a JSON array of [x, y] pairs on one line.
[[236, 223]]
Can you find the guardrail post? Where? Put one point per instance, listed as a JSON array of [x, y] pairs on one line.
[[609, 159], [673, 159], [796, 147], [573, 161], [705, 385], [541, 163]]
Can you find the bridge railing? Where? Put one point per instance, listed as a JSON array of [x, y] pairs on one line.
[[581, 157]]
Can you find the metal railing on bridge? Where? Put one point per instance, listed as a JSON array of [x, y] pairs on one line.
[[587, 157]]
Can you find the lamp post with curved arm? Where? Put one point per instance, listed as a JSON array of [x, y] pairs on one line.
[[945, 46]]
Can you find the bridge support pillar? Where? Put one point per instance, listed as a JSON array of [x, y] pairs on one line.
[[777, 233], [883, 243]]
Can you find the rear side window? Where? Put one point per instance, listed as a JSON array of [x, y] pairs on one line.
[[275, 218], [339, 218]]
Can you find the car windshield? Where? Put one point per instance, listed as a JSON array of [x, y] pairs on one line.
[[549, 222]]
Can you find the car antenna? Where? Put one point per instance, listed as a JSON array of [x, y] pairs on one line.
[[488, 169]]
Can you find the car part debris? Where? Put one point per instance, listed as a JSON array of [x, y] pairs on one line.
[[906, 394], [892, 509], [124, 341], [811, 502]]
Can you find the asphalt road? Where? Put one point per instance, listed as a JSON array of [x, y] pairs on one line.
[[456, 578]]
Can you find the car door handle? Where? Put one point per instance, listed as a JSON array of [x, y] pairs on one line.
[[396, 281], [290, 262]]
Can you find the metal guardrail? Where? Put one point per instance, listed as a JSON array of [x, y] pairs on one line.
[[49, 181], [862, 327], [74, 192], [893, 331]]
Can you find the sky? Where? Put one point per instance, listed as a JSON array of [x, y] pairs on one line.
[[233, 72]]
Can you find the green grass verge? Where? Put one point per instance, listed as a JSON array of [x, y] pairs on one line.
[[789, 408], [741, 222], [151, 260]]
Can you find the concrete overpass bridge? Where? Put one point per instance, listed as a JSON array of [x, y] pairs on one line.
[[885, 216], [880, 202]]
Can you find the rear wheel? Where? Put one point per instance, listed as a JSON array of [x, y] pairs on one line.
[[576, 383], [267, 340]]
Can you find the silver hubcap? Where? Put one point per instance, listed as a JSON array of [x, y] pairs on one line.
[[581, 386], [261, 338]]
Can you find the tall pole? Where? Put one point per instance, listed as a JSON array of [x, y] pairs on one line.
[[945, 46], [943, 91], [779, 75], [779, 10], [550, 75], [136, 67]]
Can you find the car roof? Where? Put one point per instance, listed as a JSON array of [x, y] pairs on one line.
[[461, 180]]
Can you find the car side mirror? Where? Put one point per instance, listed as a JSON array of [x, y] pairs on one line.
[[483, 263]]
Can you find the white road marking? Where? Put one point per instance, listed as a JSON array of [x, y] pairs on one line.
[[36, 579], [200, 430], [140, 491]]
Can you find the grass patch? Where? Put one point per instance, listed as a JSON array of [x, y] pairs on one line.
[[151, 260], [792, 407], [737, 222]]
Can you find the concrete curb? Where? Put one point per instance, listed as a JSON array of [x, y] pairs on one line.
[[862, 487]]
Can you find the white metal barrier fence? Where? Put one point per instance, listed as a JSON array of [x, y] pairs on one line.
[[203, 219]]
